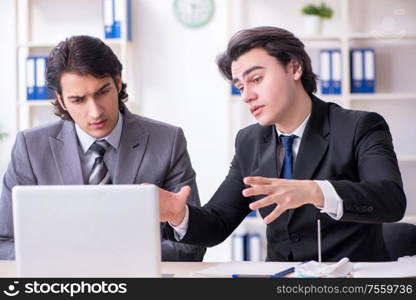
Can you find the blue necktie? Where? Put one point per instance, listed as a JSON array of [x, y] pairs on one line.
[[287, 166]]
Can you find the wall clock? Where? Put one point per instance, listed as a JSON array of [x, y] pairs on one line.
[[193, 13]]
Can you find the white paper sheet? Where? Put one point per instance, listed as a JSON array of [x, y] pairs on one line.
[[245, 267]]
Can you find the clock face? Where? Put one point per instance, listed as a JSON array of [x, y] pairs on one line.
[[193, 13]]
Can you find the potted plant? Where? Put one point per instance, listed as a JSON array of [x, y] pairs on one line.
[[313, 15]]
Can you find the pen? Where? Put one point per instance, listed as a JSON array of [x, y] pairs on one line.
[[277, 275]]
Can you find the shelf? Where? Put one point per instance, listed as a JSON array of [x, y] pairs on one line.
[[407, 157], [110, 42], [37, 103], [319, 38], [383, 96], [382, 37]]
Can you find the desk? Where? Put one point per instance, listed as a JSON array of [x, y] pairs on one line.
[[187, 269], [178, 269]]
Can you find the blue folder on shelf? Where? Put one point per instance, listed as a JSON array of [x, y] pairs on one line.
[[113, 18], [30, 78], [362, 70], [36, 88], [330, 71]]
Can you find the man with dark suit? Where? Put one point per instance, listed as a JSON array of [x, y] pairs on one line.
[[305, 160], [97, 140]]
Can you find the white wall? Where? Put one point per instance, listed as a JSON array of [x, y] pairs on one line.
[[7, 81]]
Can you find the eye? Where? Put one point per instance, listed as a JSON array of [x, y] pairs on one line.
[[76, 100], [240, 88], [103, 92], [257, 79]]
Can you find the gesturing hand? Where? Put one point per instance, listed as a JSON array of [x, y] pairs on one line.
[[286, 193]]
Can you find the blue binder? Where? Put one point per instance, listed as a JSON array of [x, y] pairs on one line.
[[330, 71], [113, 18], [42, 91], [362, 70], [30, 78], [234, 90]]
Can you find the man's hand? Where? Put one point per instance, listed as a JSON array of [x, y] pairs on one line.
[[172, 205], [286, 193]]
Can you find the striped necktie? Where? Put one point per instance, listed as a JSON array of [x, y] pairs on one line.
[[99, 173]]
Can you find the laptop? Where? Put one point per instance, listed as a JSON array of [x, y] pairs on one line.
[[87, 231]]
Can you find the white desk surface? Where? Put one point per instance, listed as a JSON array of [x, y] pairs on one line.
[[188, 269], [178, 269]]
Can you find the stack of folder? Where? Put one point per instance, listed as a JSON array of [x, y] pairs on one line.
[[113, 18], [36, 88], [330, 71], [362, 70]]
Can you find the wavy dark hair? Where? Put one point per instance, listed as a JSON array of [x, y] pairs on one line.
[[83, 55], [278, 42]]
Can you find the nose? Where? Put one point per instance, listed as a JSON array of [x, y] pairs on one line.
[[94, 110], [248, 95]]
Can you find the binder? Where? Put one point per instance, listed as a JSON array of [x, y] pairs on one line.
[[113, 18], [325, 71], [336, 70], [253, 244], [362, 70], [238, 247], [42, 91], [330, 70], [108, 18], [30, 78], [369, 71], [234, 90]]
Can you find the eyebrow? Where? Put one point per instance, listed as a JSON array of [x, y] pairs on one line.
[[246, 72], [96, 92]]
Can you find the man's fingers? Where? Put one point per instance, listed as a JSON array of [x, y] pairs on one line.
[[252, 180], [184, 192], [257, 190], [274, 214], [266, 201]]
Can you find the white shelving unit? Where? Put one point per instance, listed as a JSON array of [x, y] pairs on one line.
[[40, 26], [389, 28]]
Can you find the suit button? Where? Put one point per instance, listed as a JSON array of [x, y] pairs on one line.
[[294, 237], [370, 209]]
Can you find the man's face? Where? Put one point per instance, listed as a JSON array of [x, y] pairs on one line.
[[91, 102], [266, 86]]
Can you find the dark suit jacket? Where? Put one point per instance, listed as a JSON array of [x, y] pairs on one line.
[[351, 149], [149, 151]]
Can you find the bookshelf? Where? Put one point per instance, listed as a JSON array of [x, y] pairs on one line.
[[40, 26], [386, 26]]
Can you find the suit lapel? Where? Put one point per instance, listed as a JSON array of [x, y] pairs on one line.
[[314, 143], [133, 144], [267, 161], [64, 149]]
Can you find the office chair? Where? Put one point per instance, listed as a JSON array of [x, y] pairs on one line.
[[400, 239]]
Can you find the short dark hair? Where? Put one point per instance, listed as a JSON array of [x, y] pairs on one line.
[[83, 55], [278, 42]]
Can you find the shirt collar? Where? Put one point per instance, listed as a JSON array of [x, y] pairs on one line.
[[298, 131], [113, 138]]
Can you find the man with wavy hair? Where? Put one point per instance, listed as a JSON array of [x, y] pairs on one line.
[[97, 140]]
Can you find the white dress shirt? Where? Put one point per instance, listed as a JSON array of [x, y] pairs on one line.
[[332, 201], [87, 156]]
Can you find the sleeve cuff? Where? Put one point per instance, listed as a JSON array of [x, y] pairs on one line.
[[333, 204], [179, 231]]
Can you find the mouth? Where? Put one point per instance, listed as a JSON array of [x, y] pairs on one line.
[[98, 124], [256, 110]]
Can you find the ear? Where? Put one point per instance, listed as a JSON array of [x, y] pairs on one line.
[[60, 101], [297, 70]]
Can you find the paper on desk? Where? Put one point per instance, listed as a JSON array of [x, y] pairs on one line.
[[245, 267], [385, 269]]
